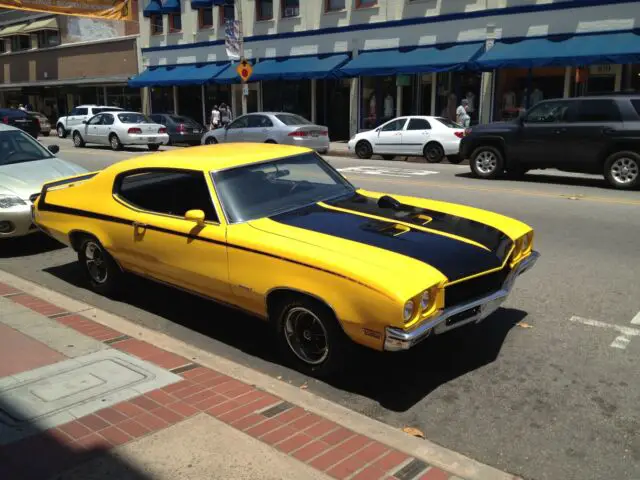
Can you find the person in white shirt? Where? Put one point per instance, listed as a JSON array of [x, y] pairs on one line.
[[21, 107], [215, 117], [462, 115]]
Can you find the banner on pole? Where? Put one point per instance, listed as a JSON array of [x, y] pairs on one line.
[[106, 9], [233, 39]]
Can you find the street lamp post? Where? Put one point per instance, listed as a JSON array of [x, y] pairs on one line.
[[242, 83]]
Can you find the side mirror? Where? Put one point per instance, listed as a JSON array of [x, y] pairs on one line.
[[53, 149], [84, 121], [196, 216]]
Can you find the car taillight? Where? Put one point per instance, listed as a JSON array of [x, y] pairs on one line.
[[134, 130], [459, 134], [324, 133], [467, 131], [5, 120], [162, 130], [298, 133], [182, 128]]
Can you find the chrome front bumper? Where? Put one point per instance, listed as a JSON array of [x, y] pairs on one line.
[[474, 311]]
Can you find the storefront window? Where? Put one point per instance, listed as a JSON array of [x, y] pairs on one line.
[[287, 96], [452, 88], [190, 102], [425, 86], [162, 100], [20, 42], [377, 101], [48, 38], [124, 97], [332, 107]]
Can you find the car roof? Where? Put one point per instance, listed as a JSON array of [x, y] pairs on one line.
[[210, 157], [6, 128]]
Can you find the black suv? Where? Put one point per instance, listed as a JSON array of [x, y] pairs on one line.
[[599, 135]]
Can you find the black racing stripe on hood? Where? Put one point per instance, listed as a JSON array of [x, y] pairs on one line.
[[454, 258], [490, 237]]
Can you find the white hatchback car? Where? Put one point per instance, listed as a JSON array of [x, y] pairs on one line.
[[421, 136]]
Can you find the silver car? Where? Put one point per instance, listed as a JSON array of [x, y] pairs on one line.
[[272, 127], [24, 166], [119, 129]]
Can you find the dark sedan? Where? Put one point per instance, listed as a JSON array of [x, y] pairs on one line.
[[20, 119], [181, 129]]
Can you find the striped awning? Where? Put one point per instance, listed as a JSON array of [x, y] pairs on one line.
[[45, 24], [17, 29]]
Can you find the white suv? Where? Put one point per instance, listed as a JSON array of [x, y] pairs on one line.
[[64, 125]]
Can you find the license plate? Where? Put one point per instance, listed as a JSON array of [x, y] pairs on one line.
[[22, 121], [314, 134], [152, 139]]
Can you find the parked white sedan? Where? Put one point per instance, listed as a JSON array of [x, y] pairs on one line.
[[430, 137], [118, 129]]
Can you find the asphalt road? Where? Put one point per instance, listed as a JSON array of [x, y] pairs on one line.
[[546, 388]]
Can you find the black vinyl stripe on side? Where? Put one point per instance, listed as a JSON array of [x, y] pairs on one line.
[[453, 258], [490, 237], [108, 218]]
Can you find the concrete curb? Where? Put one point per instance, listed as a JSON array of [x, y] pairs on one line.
[[431, 453]]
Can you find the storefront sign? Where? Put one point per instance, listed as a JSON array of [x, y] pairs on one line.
[[108, 9]]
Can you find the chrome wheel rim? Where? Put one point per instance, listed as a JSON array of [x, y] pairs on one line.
[[76, 139], [625, 170], [210, 141], [306, 336], [60, 132], [114, 142], [486, 162], [95, 262], [362, 149]]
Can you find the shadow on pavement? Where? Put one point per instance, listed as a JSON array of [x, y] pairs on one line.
[[396, 381], [535, 177], [33, 244], [52, 454]]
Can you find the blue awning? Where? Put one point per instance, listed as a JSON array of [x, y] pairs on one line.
[[412, 60], [220, 3], [154, 7], [611, 48], [171, 6], [177, 75], [201, 3]]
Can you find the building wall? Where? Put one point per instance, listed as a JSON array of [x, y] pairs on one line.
[[391, 23]]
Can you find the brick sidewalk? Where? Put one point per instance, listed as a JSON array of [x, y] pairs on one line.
[[309, 438]]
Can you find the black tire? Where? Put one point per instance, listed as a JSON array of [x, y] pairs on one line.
[[210, 141], [271, 141], [433, 152], [78, 142], [364, 150], [309, 312], [61, 131], [153, 147], [622, 170], [454, 159], [104, 278], [115, 143], [487, 162], [388, 157]]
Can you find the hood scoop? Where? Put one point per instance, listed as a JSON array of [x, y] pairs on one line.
[[386, 228]]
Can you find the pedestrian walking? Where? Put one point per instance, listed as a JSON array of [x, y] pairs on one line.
[[215, 117], [21, 107], [225, 114], [462, 113]]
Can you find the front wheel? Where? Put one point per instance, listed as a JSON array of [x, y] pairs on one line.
[[114, 141], [62, 133], [153, 147], [433, 152], [309, 334], [622, 170], [100, 268], [210, 141], [364, 150], [487, 162], [78, 142]]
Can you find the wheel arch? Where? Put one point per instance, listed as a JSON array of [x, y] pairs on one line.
[[621, 146], [76, 236], [278, 294]]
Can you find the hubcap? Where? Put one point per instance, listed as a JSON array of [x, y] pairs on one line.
[[625, 170], [363, 149], [306, 336], [433, 153], [76, 139], [486, 162], [96, 265]]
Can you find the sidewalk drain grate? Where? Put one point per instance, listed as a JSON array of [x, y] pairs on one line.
[[410, 470], [121, 338], [277, 409], [184, 368]]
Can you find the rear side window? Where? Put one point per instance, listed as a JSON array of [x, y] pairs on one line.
[[133, 118], [636, 105], [259, 121], [418, 124], [292, 120], [598, 111], [107, 119], [167, 192], [80, 111], [448, 123]]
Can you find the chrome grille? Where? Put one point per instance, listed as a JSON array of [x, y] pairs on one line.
[[476, 287]]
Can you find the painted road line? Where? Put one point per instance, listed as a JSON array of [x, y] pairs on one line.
[[636, 319], [387, 171], [621, 341]]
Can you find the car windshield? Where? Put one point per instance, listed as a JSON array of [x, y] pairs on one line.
[[17, 147], [134, 118], [265, 189], [448, 123], [292, 120]]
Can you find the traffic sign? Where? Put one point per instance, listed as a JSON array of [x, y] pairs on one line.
[[244, 69]]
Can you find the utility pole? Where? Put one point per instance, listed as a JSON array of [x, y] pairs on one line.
[[238, 4]]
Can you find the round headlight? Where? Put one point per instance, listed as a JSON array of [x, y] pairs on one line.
[[424, 300], [408, 310]]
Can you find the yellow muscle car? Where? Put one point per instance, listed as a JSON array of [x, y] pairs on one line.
[[276, 231]]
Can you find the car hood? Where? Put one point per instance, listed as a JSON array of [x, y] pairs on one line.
[[457, 247], [26, 178]]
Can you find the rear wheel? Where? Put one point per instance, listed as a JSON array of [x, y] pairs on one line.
[[622, 170], [153, 147], [114, 141], [78, 142], [309, 334], [271, 141], [487, 162], [62, 133], [364, 150], [210, 141], [101, 270], [433, 152]]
